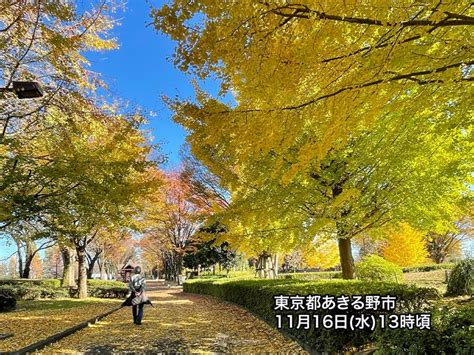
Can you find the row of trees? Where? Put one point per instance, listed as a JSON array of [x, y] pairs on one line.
[[180, 230], [404, 246], [75, 169], [347, 119]]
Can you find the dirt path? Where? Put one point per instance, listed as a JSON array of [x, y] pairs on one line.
[[180, 322]]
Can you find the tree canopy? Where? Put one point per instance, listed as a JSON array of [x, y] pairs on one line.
[[346, 117]]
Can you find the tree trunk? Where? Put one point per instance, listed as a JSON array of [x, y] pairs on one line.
[[345, 255], [90, 265], [275, 266], [81, 258], [264, 266], [20, 257], [29, 254], [259, 267], [68, 267], [26, 270], [103, 272]]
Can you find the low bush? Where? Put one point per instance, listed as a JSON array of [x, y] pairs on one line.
[[107, 289], [108, 292], [31, 292], [7, 299], [105, 283], [451, 333], [258, 297], [376, 268], [428, 267], [461, 279], [209, 277], [51, 292], [32, 282], [34, 289], [317, 275], [248, 274]]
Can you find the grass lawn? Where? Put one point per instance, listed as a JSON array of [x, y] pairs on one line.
[[38, 319], [435, 279]]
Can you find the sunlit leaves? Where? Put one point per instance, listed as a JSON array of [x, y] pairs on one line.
[[346, 117]]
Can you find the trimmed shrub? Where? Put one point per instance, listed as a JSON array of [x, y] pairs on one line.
[[105, 283], [451, 333], [7, 299], [103, 289], [108, 292], [34, 289], [323, 275], [258, 297], [32, 282], [62, 292], [107, 289], [428, 267], [376, 268], [29, 292], [461, 279]]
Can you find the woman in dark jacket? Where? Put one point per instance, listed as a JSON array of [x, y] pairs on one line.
[[137, 298]]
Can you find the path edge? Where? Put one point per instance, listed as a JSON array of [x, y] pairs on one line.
[[58, 336]]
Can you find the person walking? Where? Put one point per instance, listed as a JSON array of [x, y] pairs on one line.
[[137, 298]]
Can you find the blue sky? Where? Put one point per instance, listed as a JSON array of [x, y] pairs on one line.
[[139, 72]]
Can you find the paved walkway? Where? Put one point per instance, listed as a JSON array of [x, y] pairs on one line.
[[181, 322]]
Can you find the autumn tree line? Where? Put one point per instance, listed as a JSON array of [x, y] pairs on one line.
[[81, 188], [76, 168]]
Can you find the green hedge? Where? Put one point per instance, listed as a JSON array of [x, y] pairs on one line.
[[29, 292], [107, 289], [317, 275], [376, 268], [452, 333], [257, 296], [34, 289], [429, 267], [105, 283], [103, 289], [461, 279], [108, 292], [32, 282]]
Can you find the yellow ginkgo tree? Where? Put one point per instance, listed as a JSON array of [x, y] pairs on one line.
[[345, 117], [105, 161], [405, 246], [45, 42]]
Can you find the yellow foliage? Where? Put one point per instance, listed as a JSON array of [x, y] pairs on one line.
[[341, 123], [323, 255], [405, 246]]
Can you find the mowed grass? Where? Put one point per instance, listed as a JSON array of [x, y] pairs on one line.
[[435, 279]]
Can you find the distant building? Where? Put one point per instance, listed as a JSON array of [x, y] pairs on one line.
[[127, 271]]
